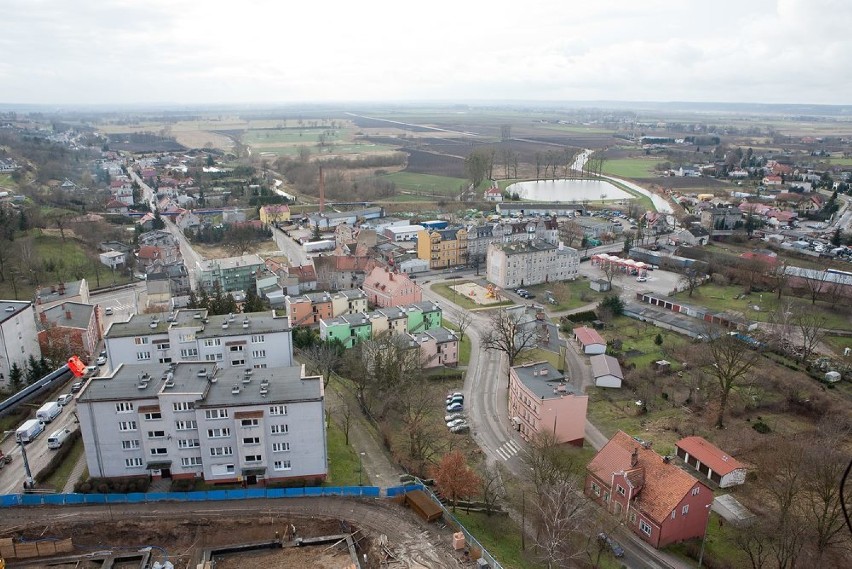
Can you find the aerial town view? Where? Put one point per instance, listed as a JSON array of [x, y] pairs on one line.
[[537, 287]]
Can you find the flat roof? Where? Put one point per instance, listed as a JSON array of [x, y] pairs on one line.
[[544, 380], [220, 387], [149, 324], [9, 308], [231, 262]]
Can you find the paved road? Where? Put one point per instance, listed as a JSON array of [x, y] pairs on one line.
[[295, 253]]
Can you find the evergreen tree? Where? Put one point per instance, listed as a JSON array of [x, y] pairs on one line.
[[16, 377], [33, 370], [253, 302]]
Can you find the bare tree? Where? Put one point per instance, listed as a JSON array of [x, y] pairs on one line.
[[324, 359], [463, 322], [610, 270], [730, 362], [344, 419], [509, 335], [755, 543], [691, 279], [562, 513], [814, 283], [811, 330], [548, 463], [492, 492], [570, 232]]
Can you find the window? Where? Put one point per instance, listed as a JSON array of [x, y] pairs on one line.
[[141, 340], [221, 451], [159, 451], [632, 517], [127, 426], [673, 514], [129, 445], [213, 357], [258, 353], [221, 469], [253, 458], [143, 355], [189, 353], [258, 339], [162, 344], [280, 447], [251, 440], [209, 343], [190, 461], [259, 366], [684, 510], [165, 360], [156, 434], [238, 363], [184, 338], [237, 348], [153, 416], [186, 425], [278, 410], [281, 465], [216, 413], [249, 422], [218, 433], [188, 443], [596, 489], [643, 525], [619, 489], [124, 407], [183, 406], [132, 462], [695, 490], [279, 429]]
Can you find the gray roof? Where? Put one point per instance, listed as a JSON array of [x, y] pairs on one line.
[[80, 315], [217, 389], [519, 247], [141, 324], [16, 306], [391, 312], [241, 324], [353, 293], [543, 385], [425, 306], [51, 293], [603, 364], [232, 262], [441, 335]]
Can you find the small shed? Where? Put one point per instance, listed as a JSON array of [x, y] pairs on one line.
[[711, 461], [418, 501], [832, 377], [600, 285], [606, 371], [590, 340]]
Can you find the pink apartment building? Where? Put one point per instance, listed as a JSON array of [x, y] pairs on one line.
[[385, 288]]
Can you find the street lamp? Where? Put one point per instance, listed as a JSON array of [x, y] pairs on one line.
[[704, 539], [360, 468]]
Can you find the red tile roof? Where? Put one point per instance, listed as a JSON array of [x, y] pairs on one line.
[[709, 454], [587, 336], [664, 485], [149, 252]]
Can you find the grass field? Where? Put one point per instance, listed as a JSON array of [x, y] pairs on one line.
[[569, 295], [7, 182], [426, 183], [60, 476], [631, 167], [342, 460], [501, 537], [444, 290], [538, 355], [464, 348]]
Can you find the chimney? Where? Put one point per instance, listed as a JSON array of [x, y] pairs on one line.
[[68, 314], [43, 317], [61, 288], [634, 458]]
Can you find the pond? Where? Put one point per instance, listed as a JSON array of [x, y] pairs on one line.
[[568, 191]]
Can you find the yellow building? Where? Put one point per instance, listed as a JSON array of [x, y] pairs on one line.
[[443, 248], [270, 214]]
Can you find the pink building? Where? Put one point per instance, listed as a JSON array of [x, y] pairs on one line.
[[385, 288], [438, 347], [540, 399]]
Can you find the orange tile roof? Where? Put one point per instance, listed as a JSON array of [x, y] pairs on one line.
[[588, 336], [664, 484], [709, 454]]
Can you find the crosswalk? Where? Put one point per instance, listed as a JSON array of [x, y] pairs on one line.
[[508, 449]]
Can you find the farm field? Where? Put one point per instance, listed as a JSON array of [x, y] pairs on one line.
[[426, 182], [631, 167]]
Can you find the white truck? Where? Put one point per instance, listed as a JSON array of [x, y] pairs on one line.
[[55, 440], [29, 431], [49, 411]]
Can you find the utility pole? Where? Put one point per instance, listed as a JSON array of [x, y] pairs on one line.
[[29, 482]]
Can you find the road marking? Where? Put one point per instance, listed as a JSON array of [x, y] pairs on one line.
[[508, 450]]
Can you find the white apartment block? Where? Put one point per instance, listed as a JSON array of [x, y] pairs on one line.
[[18, 337], [192, 420], [255, 340], [527, 263]]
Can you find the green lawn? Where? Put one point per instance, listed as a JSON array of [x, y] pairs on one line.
[[444, 290], [342, 460], [426, 183], [631, 167], [501, 537], [464, 348], [59, 478], [724, 298], [643, 201], [260, 138], [720, 550], [569, 295], [7, 182]]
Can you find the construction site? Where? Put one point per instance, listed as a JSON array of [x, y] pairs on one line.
[[263, 534]]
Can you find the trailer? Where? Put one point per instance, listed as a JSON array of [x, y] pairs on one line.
[[317, 246], [29, 431], [49, 411], [418, 501]]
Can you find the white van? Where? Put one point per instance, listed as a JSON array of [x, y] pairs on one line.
[[49, 411], [56, 438]]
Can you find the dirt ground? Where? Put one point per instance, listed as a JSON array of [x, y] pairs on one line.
[[183, 531]]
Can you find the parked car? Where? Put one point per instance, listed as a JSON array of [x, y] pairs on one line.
[[616, 549], [65, 399], [456, 423], [453, 417], [641, 279], [91, 370], [455, 399], [454, 407], [460, 428], [101, 360], [108, 310], [77, 387]]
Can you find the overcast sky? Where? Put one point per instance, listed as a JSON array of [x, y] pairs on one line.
[[279, 51]]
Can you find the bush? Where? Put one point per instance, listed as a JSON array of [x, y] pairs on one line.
[[761, 427], [58, 457], [113, 485]]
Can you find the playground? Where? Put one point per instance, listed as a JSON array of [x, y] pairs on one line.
[[479, 294]]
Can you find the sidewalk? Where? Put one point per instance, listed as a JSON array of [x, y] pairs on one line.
[[76, 474]]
